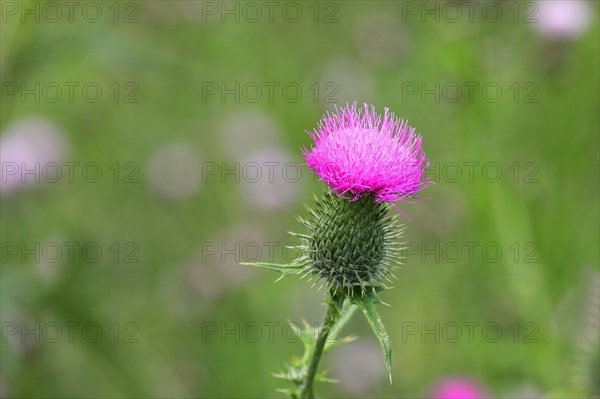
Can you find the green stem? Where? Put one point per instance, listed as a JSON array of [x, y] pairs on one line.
[[332, 315], [346, 314]]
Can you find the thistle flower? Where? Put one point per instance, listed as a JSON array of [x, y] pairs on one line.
[[351, 245], [457, 388], [358, 152], [367, 160]]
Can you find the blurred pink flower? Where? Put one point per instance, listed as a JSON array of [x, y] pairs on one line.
[[563, 19], [457, 388], [26, 147], [266, 188], [247, 131], [358, 152]]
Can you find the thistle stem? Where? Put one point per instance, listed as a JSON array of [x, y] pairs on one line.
[[331, 317]]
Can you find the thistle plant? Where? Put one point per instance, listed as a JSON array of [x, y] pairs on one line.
[[350, 243]]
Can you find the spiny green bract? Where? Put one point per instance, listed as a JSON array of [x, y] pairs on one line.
[[350, 244]]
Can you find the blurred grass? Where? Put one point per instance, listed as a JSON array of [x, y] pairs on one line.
[[169, 54]]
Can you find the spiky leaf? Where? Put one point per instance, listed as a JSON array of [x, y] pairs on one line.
[[285, 270], [367, 305]]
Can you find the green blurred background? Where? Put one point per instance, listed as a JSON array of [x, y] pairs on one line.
[[177, 206]]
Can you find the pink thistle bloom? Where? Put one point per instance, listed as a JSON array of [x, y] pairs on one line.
[[457, 388], [359, 152]]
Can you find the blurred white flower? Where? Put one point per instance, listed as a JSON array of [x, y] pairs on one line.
[[215, 268], [269, 178], [563, 19], [526, 391], [26, 147], [174, 171], [3, 389], [18, 320], [358, 366], [52, 254], [248, 131], [265, 171], [587, 335]]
